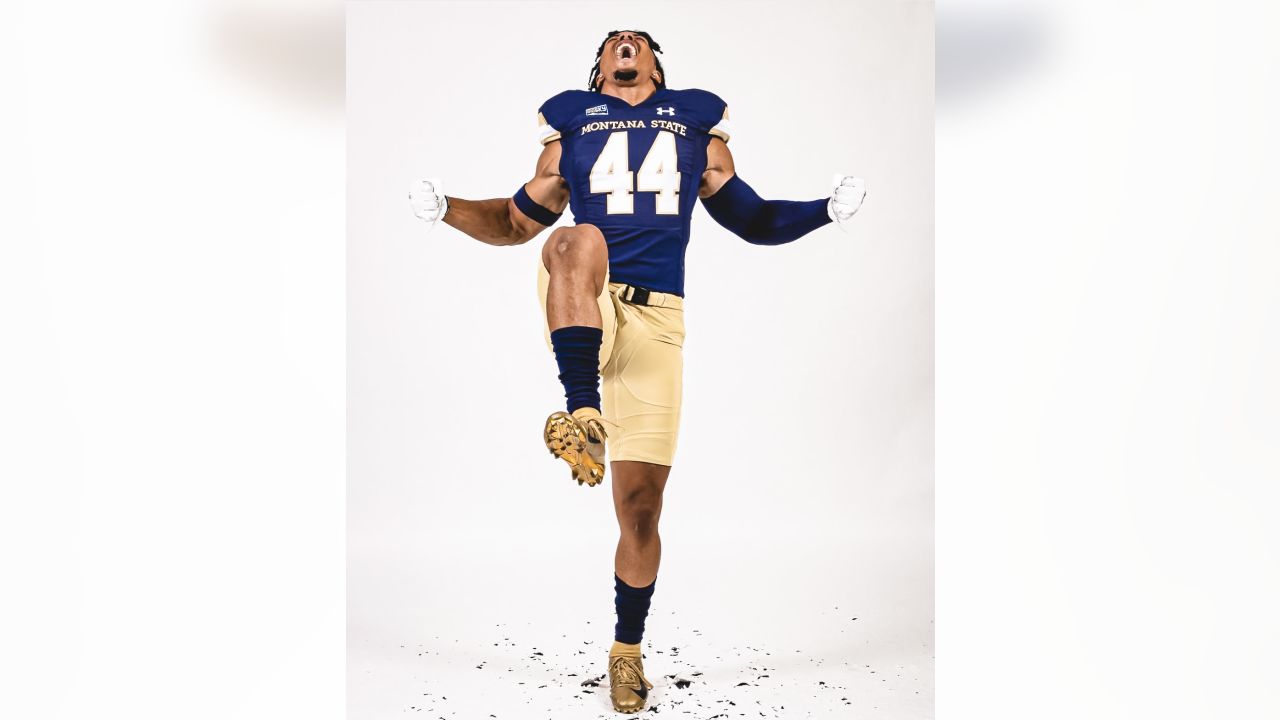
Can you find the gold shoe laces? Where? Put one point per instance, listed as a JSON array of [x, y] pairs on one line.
[[623, 672], [598, 425]]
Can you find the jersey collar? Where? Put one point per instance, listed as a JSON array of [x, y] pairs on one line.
[[657, 95]]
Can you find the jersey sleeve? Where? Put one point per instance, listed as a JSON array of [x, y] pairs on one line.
[[546, 133], [555, 114], [721, 128], [711, 112]]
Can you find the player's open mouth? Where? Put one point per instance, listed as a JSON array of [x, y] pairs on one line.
[[625, 50]]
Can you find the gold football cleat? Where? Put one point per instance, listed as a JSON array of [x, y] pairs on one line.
[[628, 688], [578, 439]]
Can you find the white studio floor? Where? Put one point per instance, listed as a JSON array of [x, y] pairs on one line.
[[564, 678], [713, 649]]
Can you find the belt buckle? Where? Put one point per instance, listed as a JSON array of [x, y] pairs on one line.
[[637, 295]]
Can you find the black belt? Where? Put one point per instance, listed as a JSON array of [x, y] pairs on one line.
[[635, 295]]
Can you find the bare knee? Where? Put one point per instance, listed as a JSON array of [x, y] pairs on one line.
[[577, 247], [638, 512]]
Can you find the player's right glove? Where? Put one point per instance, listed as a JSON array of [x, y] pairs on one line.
[[428, 201], [846, 198]]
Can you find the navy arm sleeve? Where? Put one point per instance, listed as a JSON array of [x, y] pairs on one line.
[[764, 222]]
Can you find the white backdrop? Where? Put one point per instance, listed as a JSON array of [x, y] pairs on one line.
[[173, 395], [802, 493]]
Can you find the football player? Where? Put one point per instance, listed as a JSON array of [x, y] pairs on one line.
[[630, 157]]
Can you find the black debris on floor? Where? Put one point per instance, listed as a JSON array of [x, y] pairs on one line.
[[738, 675]]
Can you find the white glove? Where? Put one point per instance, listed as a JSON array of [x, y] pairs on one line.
[[428, 201], [846, 198]]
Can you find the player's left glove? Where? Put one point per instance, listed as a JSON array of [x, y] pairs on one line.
[[428, 201], [846, 198]]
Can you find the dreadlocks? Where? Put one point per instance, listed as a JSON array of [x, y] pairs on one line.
[[653, 45]]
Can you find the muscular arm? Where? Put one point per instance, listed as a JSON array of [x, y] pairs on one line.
[[719, 168], [733, 204], [499, 221]]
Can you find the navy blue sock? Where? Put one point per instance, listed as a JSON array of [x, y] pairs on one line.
[[632, 605], [577, 351]]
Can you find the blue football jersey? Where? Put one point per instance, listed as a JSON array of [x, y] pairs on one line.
[[634, 172]]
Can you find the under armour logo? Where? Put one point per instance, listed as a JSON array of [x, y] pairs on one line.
[[667, 111]]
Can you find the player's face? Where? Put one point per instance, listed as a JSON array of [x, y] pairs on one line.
[[627, 60]]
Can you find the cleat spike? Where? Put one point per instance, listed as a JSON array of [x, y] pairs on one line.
[[581, 444]]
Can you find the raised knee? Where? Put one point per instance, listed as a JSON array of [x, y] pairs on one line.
[[590, 235], [573, 245]]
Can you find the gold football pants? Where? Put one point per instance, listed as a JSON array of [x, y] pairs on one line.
[[640, 368]]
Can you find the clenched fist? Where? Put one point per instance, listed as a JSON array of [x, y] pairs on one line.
[[428, 201], [846, 198]]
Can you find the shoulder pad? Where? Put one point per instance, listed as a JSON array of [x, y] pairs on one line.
[[555, 115], [710, 112]]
